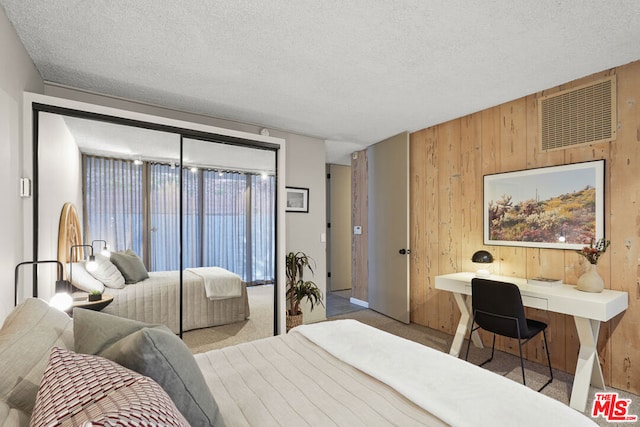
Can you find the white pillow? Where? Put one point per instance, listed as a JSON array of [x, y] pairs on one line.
[[108, 273], [82, 280]]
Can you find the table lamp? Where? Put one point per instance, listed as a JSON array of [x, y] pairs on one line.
[[482, 257], [105, 248], [62, 299], [91, 264]]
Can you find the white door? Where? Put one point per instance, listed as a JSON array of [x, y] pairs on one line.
[[388, 177]]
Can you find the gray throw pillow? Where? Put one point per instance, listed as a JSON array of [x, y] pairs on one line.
[[130, 265], [153, 351], [26, 338]]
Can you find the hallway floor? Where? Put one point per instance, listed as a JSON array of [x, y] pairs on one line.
[[338, 303]]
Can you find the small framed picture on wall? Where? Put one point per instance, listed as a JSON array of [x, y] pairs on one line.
[[297, 199]]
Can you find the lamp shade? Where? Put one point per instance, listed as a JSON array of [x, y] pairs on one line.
[[482, 257], [62, 286], [105, 248]]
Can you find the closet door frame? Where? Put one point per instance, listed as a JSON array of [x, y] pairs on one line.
[[36, 103]]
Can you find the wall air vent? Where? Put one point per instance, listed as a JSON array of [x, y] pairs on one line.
[[581, 115]]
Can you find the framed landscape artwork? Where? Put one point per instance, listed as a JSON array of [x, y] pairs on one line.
[[559, 207], [297, 199]]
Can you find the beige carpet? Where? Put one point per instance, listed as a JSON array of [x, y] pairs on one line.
[[259, 324]]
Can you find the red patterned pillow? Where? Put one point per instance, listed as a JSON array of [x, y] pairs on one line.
[[79, 388]]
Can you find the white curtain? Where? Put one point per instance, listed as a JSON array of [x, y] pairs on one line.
[[164, 217], [113, 208], [225, 220], [191, 219], [228, 217], [263, 240]]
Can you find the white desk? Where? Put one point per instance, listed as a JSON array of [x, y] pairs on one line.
[[587, 309]]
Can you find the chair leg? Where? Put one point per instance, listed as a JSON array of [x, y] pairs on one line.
[[466, 356], [493, 347], [546, 347], [524, 382]]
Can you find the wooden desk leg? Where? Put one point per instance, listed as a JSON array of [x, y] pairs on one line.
[[588, 371], [464, 304]]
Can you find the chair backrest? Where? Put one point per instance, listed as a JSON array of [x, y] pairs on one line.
[[496, 305]]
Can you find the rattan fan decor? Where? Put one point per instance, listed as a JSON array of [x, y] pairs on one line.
[[69, 234]]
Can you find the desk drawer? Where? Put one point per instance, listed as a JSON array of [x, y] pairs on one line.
[[534, 302], [528, 301]]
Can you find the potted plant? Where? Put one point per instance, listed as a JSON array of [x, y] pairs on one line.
[[95, 295], [299, 289]]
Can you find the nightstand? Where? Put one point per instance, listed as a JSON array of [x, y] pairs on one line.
[[93, 305]]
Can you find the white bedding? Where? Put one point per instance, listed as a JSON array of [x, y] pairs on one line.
[[439, 383], [218, 282], [345, 373]]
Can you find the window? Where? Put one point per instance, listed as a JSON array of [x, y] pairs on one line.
[[228, 217], [113, 208]]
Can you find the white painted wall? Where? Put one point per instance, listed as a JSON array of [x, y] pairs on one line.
[[17, 74], [60, 181]]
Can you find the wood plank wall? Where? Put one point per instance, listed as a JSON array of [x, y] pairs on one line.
[[448, 162]]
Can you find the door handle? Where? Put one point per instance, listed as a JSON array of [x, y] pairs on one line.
[[404, 251]]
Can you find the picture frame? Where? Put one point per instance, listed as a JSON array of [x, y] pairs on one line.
[[297, 199], [557, 207]]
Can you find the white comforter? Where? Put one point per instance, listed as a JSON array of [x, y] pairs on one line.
[[218, 282], [455, 391]]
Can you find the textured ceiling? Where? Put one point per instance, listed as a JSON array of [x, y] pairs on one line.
[[350, 72]]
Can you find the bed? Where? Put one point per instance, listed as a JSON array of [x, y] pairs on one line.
[[156, 300], [339, 373], [346, 373], [212, 296]]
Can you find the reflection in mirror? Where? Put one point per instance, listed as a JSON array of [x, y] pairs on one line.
[[125, 184], [229, 238]]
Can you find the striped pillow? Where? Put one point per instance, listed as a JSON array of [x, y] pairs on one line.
[[80, 389]]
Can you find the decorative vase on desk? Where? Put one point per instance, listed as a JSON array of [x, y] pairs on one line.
[[590, 280]]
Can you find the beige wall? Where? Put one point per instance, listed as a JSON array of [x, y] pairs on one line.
[[341, 230], [306, 168], [17, 74], [447, 165]]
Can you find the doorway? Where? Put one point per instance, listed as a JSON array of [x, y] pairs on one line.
[[339, 229]]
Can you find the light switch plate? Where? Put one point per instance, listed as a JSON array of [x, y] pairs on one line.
[[25, 187]]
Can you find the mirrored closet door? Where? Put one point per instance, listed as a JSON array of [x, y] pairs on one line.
[[182, 228]]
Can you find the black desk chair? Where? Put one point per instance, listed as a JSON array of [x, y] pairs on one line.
[[497, 307]]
